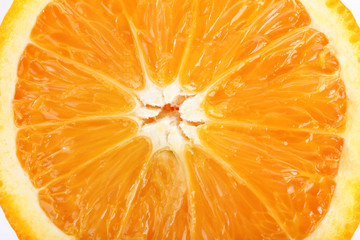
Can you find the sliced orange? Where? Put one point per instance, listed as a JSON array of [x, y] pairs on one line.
[[180, 119]]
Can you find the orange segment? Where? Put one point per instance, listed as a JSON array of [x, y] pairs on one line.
[[49, 90], [224, 207], [91, 202], [160, 209], [229, 31], [291, 172], [162, 29], [54, 151], [92, 33], [297, 80]]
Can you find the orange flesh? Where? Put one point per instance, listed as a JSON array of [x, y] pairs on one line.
[[269, 152]]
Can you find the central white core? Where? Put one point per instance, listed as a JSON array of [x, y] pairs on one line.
[[169, 117]]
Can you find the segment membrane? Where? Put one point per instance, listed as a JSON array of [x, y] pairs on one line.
[[160, 209], [224, 207], [52, 90], [55, 151], [162, 29], [294, 83], [229, 31], [93, 33], [94, 199], [291, 172]]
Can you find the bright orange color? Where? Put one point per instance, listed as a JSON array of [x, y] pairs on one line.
[[269, 152]]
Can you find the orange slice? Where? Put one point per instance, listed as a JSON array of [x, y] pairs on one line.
[[172, 119]]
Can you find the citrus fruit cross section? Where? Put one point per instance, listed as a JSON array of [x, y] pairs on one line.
[[180, 119]]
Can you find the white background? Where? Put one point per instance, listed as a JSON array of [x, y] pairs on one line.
[[6, 232]]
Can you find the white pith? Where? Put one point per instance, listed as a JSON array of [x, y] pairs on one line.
[[191, 109], [168, 131]]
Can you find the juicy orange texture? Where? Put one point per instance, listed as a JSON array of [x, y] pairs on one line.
[[269, 149]]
